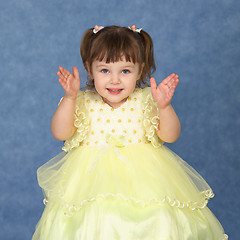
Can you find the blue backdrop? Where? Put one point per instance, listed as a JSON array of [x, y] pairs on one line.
[[199, 40]]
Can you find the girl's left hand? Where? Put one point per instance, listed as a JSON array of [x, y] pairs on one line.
[[163, 93]]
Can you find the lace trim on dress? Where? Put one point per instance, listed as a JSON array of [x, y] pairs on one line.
[[151, 119], [71, 209], [81, 122]]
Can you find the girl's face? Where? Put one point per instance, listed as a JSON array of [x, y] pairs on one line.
[[115, 81]]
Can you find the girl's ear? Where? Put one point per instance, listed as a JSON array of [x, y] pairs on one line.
[[89, 70]]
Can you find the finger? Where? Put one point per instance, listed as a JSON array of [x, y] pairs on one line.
[[61, 76], [153, 83], [75, 73], [175, 82], [174, 86], [167, 79], [172, 81], [64, 72], [63, 83]]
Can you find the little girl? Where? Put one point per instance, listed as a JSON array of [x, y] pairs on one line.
[[115, 179]]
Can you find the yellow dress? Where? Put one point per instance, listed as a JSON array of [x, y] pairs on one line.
[[115, 180]]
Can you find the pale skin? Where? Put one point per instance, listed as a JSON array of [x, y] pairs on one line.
[[63, 120], [169, 125]]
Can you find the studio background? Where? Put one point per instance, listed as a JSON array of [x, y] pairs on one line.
[[199, 40]]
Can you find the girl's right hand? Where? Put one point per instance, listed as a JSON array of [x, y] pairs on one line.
[[70, 82]]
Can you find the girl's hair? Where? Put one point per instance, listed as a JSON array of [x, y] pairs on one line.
[[112, 43]]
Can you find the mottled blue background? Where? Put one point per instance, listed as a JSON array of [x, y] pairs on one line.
[[199, 40]]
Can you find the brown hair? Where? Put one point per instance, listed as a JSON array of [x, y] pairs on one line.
[[112, 43]]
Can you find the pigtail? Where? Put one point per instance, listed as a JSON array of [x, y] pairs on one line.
[[85, 49], [149, 62], [86, 46]]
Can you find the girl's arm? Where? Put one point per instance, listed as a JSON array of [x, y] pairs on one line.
[[169, 125], [63, 119]]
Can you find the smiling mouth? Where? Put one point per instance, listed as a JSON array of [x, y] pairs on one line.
[[114, 90]]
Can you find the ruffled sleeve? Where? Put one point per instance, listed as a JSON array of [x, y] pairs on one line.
[[81, 122], [150, 118]]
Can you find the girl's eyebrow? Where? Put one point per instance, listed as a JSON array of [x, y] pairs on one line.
[[128, 66]]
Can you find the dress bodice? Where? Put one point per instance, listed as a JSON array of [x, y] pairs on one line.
[[98, 124], [123, 125]]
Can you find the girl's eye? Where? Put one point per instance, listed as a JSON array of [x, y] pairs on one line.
[[125, 71], [104, 71]]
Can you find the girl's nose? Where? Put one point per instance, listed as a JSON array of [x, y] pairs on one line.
[[115, 79]]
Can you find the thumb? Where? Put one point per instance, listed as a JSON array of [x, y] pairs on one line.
[[75, 73], [153, 83]]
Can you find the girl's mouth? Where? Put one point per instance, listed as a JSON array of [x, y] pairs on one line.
[[114, 91]]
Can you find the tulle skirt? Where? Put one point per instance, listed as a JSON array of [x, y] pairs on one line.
[[124, 193]]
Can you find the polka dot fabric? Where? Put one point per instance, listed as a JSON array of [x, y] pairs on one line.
[[105, 120]]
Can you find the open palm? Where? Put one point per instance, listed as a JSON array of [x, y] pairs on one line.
[[163, 93], [70, 82]]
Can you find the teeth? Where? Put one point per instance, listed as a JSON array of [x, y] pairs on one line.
[[115, 90]]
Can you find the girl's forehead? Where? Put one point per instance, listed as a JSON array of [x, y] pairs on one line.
[[115, 55], [121, 59]]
